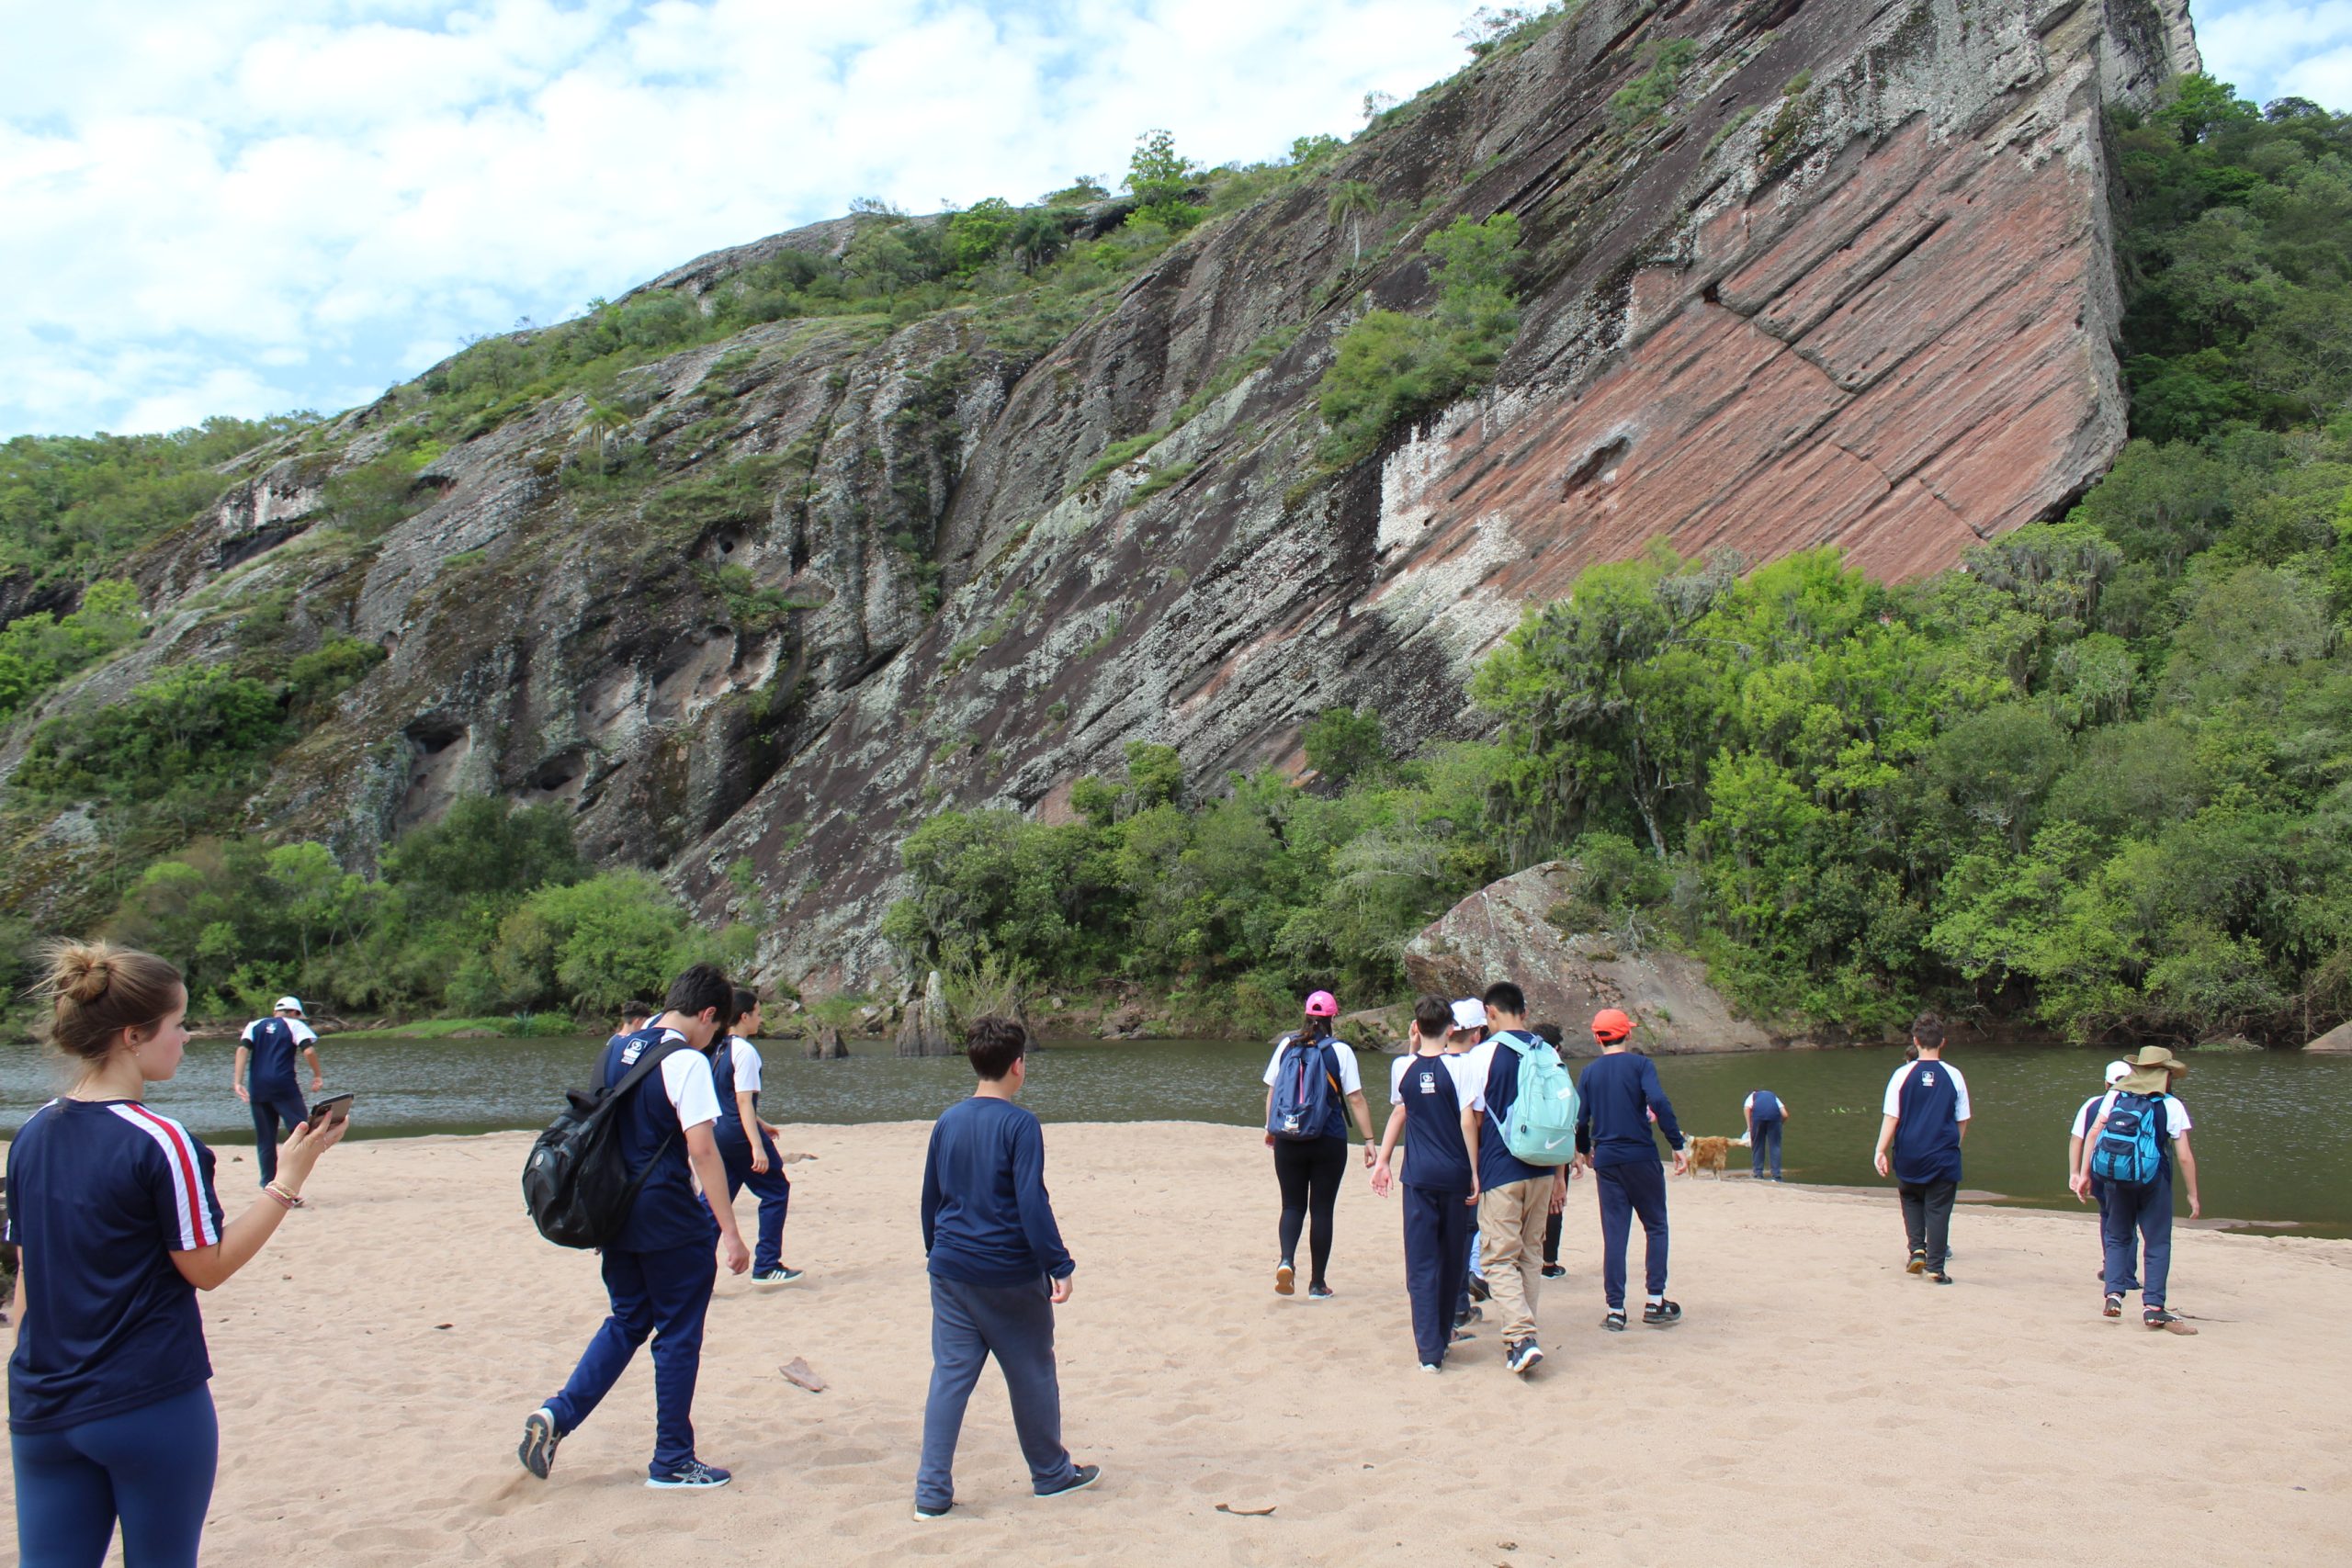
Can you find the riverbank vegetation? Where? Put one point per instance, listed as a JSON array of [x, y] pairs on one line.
[[2097, 780]]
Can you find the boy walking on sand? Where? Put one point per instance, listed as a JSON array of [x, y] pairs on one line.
[[1515, 1198], [2139, 1131], [2085, 1119], [1618, 1100], [998, 1269], [746, 1145], [658, 1270], [1926, 1120], [1436, 1115]]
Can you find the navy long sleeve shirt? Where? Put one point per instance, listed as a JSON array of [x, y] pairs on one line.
[[1614, 1099], [986, 1217]]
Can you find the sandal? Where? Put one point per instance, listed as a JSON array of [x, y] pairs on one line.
[[1615, 1321], [2112, 1306]]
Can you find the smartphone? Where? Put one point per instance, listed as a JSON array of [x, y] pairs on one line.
[[333, 1108]]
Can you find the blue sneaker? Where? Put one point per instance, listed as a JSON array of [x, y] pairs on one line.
[[692, 1476]]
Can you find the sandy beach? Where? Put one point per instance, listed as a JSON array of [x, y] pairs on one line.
[[1817, 1407]]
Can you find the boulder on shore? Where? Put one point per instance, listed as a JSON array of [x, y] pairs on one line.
[[1503, 933], [924, 1030], [2336, 1042], [825, 1045]]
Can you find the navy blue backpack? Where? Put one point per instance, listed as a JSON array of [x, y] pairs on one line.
[[1305, 1091]]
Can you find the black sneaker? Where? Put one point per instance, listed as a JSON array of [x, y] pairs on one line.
[[1084, 1476], [1661, 1314], [692, 1476], [1285, 1278], [1478, 1289], [1615, 1321], [1554, 1271], [1941, 1278], [539, 1438], [925, 1511], [1318, 1292], [1918, 1264]]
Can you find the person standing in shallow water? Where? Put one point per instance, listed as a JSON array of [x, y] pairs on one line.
[[1315, 1074], [110, 1417]]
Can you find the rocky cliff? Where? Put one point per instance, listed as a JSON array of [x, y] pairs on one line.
[[1851, 284]]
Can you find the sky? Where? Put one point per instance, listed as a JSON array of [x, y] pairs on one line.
[[247, 207]]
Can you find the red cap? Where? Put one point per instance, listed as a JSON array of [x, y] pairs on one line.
[[1611, 1025]]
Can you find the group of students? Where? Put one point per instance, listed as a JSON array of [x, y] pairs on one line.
[[115, 1213], [1467, 1193]]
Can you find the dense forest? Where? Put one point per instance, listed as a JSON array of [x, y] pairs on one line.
[[2095, 780]]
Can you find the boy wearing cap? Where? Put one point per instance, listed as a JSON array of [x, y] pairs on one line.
[[272, 1089], [2116, 1073], [2147, 1207], [1924, 1120], [1618, 1097]]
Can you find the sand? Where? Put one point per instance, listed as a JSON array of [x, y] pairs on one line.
[[1817, 1407]]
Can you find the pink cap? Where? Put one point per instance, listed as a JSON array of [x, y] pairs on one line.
[[1322, 1004]]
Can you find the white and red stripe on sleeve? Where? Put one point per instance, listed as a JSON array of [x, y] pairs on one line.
[[194, 1215]]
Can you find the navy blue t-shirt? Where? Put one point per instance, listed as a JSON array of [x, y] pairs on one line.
[[1614, 1100], [987, 1218], [1765, 1105], [667, 1212], [1436, 1157], [1498, 1165], [1930, 1100], [275, 1042], [100, 1194]]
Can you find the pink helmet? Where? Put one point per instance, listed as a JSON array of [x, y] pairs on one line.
[[1322, 1004]]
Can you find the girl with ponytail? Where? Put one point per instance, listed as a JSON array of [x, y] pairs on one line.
[[117, 1225]]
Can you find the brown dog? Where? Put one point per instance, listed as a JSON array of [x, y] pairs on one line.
[[1709, 1153]]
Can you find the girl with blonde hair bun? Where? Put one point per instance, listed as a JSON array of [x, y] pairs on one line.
[[112, 1209]]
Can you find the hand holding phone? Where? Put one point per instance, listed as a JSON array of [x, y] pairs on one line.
[[333, 1111]]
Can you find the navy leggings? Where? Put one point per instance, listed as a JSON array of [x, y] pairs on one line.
[[151, 1468], [271, 1106]]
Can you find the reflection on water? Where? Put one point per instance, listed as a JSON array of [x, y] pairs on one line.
[[2268, 1141]]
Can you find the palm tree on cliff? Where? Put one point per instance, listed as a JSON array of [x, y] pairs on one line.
[[600, 427], [1351, 203]]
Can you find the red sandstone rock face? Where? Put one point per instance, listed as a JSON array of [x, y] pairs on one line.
[[1903, 361]]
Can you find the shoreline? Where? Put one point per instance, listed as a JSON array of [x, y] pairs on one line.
[[1786, 1412]]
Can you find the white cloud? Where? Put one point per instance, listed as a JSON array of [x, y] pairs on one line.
[[2271, 49], [270, 206]]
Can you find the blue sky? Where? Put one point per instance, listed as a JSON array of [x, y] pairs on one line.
[[247, 206]]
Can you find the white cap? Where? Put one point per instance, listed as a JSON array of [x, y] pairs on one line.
[[1469, 1013], [2118, 1071], [289, 1004]]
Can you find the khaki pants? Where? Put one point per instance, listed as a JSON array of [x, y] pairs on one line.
[[1510, 1250]]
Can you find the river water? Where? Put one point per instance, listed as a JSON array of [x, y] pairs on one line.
[[2270, 1145]]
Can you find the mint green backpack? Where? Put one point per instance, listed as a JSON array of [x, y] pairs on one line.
[[1542, 1127]]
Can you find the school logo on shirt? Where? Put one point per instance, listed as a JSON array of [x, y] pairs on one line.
[[631, 1052], [1428, 1083], [1928, 1080]]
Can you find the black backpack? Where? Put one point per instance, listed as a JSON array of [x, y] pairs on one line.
[[576, 1184]]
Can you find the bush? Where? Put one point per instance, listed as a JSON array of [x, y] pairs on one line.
[[193, 728]]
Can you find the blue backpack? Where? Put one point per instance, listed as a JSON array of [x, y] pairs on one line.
[[1305, 1091], [2131, 1147]]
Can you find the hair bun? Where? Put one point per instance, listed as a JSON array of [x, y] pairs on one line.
[[83, 974]]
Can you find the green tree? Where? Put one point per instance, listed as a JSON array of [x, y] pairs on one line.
[[1352, 202], [1161, 178]]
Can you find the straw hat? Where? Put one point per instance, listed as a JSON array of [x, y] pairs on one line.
[[2153, 1070]]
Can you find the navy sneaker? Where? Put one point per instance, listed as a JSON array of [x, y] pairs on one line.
[[539, 1438], [1084, 1476], [692, 1476], [1524, 1356]]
